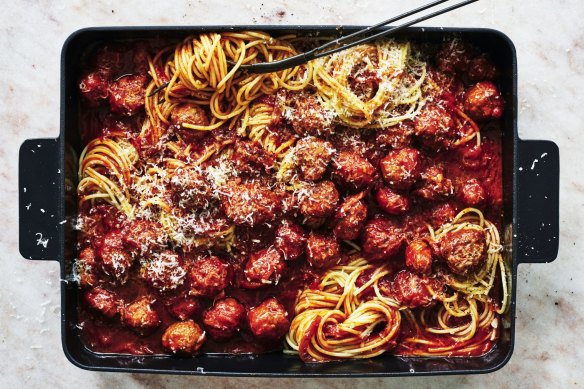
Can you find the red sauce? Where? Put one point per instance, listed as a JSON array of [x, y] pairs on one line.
[[458, 164]]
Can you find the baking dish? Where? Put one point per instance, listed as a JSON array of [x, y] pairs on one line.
[[48, 208]]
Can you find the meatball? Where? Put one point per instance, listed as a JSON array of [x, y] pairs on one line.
[[322, 250], [165, 271], [94, 88], [140, 316], [435, 127], [318, 201], [364, 79], [189, 114], [313, 156], [143, 236], [435, 186], [306, 115], [86, 267], [290, 240], [251, 203], [140, 53], [183, 116], [209, 276], [419, 256], [483, 101], [103, 301], [185, 308], [472, 193], [269, 320], [352, 170], [454, 56], [401, 168], [264, 267], [391, 202], [464, 250], [441, 214], [190, 188], [183, 337], [350, 217], [110, 60], [115, 260], [482, 69], [127, 94], [411, 290], [224, 318], [250, 157], [396, 137], [382, 239]]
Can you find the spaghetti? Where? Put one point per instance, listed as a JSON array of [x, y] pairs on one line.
[[290, 207], [337, 321]]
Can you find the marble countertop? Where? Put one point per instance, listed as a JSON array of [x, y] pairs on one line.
[[549, 39]]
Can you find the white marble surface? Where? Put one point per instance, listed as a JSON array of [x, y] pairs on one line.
[[550, 45]]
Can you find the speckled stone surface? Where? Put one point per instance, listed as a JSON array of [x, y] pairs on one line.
[[549, 39]]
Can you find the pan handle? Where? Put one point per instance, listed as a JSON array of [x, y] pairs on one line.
[[40, 182], [537, 202]]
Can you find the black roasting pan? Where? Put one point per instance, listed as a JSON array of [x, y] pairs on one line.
[[47, 176]]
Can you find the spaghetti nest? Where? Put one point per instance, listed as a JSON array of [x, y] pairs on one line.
[[339, 321], [374, 85], [197, 71]]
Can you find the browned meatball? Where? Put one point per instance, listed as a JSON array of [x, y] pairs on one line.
[[224, 318], [185, 308], [185, 115], [140, 52], [290, 240], [263, 268], [189, 114], [127, 94], [483, 102], [472, 193], [441, 214], [318, 201], [143, 236], [115, 260], [110, 59], [86, 267], [269, 320], [396, 137], [435, 186], [454, 56], [392, 202], [140, 316], [250, 157], [411, 290], [209, 276], [464, 250], [350, 217], [401, 168], [313, 156], [482, 69], [94, 87], [103, 301], [183, 337], [419, 256], [191, 189], [382, 239], [306, 115], [322, 250], [251, 203], [352, 170], [165, 271], [435, 127], [364, 80]]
